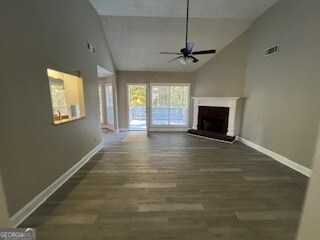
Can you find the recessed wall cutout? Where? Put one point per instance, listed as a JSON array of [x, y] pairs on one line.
[[67, 96], [271, 51]]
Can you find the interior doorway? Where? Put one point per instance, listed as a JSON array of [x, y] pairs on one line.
[[107, 99], [137, 107]]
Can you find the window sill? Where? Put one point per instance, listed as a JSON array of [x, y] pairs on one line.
[[62, 121]]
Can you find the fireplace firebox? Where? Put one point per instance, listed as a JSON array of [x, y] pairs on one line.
[[214, 119]]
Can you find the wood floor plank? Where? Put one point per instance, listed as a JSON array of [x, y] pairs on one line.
[[174, 186], [171, 207], [267, 215], [221, 170], [150, 185]]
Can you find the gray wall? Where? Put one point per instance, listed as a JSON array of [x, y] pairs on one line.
[[123, 78], [282, 110], [4, 217], [35, 35], [224, 75], [309, 226]]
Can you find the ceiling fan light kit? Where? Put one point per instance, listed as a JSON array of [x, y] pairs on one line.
[[186, 55]]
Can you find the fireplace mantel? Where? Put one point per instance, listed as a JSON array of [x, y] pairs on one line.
[[229, 102]]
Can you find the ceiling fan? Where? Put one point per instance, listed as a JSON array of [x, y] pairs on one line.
[[186, 55]]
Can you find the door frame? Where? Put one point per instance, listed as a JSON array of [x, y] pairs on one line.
[[105, 124], [147, 85]]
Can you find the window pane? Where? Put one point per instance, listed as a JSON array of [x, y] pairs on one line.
[[101, 104], [58, 98], [160, 105], [170, 105], [109, 105], [137, 107], [179, 96]]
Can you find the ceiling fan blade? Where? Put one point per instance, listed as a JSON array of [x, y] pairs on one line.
[[174, 59], [194, 59], [204, 52], [190, 46], [170, 53]]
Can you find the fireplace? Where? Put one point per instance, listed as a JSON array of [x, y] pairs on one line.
[[215, 118], [213, 124]]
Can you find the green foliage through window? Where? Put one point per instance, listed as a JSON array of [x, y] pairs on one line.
[[137, 96]]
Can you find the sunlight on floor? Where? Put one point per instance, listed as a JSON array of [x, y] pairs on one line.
[[139, 136]]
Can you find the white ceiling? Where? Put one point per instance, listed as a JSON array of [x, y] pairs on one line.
[[137, 30]]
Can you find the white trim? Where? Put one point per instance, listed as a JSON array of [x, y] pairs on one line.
[[213, 139], [169, 129], [229, 102], [285, 161], [30, 207], [123, 129]]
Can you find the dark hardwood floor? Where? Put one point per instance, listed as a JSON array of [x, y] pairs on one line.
[[174, 186]]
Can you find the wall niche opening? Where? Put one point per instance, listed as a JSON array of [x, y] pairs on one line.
[[67, 97]]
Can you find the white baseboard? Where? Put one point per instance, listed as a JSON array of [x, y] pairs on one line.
[[160, 129], [168, 129], [285, 161], [30, 207]]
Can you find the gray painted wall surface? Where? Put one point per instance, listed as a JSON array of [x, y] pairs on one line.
[[4, 217], [35, 35], [309, 226], [145, 77], [282, 110], [224, 75]]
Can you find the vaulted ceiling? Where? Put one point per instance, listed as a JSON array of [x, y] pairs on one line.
[[137, 30]]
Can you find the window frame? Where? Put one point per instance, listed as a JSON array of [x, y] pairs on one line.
[[188, 105], [106, 120]]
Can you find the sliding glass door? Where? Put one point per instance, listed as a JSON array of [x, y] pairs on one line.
[[169, 105]]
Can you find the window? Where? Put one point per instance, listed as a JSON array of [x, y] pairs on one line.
[[170, 104], [67, 97], [101, 104], [109, 104]]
